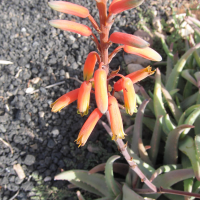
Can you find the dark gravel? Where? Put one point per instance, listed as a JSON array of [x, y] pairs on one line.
[[43, 142]]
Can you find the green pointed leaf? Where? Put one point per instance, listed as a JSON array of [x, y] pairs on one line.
[[164, 168], [187, 146], [119, 197], [196, 187], [146, 169], [149, 122], [172, 105], [137, 132], [158, 102], [167, 124], [171, 147], [186, 74], [174, 76], [197, 147], [188, 184], [190, 120], [129, 194], [168, 179], [110, 181], [155, 140], [191, 100], [93, 183]]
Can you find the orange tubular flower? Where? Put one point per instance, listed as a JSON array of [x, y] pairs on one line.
[[65, 100], [84, 98], [71, 26], [135, 77], [115, 119], [129, 96], [128, 39], [147, 53], [89, 66], [69, 8], [101, 94], [88, 127], [118, 6]]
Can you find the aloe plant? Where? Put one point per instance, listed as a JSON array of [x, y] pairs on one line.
[[175, 107]]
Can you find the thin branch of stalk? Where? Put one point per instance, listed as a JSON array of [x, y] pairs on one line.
[[129, 159], [96, 42], [118, 49], [94, 23], [168, 191]]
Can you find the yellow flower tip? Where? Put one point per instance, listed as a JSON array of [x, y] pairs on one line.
[[64, 100], [115, 119], [129, 96], [149, 71]]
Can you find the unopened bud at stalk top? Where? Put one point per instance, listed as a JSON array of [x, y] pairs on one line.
[[69, 8], [71, 26]]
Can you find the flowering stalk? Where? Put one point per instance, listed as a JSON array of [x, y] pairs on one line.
[[101, 76]]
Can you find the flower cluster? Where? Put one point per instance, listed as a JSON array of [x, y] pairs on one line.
[[100, 77]]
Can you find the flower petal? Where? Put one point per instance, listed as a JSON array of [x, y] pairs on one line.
[[71, 26], [69, 8], [135, 77], [88, 127], [128, 39], [129, 96], [147, 53], [118, 6], [89, 65], [101, 94], [64, 100], [84, 98], [115, 119]]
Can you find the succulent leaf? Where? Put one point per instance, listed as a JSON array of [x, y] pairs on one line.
[[155, 140], [129, 194], [171, 147], [109, 177], [174, 76], [187, 146], [94, 183], [186, 74], [164, 168], [137, 133], [172, 105]]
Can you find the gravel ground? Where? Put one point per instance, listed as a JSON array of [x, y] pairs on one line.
[[43, 142]]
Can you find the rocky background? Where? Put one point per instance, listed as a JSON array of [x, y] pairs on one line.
[[36, 144]]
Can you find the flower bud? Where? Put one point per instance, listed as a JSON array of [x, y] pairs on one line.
[[84, 98], [89, 66], [71, 26], [135, 77], [129, 96], [115, 119], [101, 94], [88, 127], [147, 53], [64, 100], [128, 39], [69, 8], [118, 6]]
